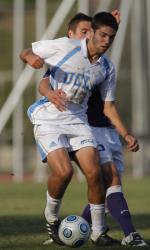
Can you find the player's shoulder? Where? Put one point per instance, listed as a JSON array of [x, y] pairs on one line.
[[62, 41], [68, 41], [107, 62]]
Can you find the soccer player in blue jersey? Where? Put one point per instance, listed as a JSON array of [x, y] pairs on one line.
[[115, 189]]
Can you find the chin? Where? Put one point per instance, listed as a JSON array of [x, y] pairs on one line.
[[102, 51]]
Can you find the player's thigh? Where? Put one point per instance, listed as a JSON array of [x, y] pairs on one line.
[[49, 138], [115, 147], [82, 142], [53, 144], [118, 161], [88, 160], [59, 162], [111, 174]]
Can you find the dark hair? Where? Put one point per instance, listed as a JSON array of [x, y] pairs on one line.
[[79, 17], [104, 19]]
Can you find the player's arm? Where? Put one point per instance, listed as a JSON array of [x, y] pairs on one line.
[[116, 14], [57, 97], [40, 52], [107, 89], [110, 110], [33, 60]]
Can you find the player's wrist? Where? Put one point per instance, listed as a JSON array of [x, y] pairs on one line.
[[49, 94], [125, 135]]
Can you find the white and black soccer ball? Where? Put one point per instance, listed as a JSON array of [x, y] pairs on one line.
[[74, 231]]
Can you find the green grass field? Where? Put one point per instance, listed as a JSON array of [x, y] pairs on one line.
[[22, 225]]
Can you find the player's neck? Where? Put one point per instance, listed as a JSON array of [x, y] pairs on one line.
[[93, 56]]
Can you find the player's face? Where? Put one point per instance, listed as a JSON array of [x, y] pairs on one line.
[[81, 31], [102, 39]]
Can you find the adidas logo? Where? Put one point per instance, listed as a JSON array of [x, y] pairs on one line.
[[86, 141]]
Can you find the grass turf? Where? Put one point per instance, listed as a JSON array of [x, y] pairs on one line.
[[22, 225]]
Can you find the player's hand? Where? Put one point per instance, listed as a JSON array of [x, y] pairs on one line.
[[116, 14], [58, 98], [35, 61], [132, 143]]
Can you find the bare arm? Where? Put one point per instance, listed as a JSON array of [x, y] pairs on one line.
[[111, 112], [33, 60], [116, 14], [57, 97]]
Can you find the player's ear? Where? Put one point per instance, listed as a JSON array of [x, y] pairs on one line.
[[90, 33], [70, 34]]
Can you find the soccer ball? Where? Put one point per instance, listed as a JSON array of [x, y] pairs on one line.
[[74, 231]]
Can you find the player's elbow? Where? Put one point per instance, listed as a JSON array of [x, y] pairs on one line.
[[108, 109], [40, 88], [22, 56]]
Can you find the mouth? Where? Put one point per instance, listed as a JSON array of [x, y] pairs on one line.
[[104, 47]]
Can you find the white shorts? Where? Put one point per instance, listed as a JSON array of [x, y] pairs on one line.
[[71, 137], [109, 146]]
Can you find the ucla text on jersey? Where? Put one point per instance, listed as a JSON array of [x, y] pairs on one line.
[[70, 70]]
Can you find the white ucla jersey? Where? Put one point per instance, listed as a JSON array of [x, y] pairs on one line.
[[71, 70]]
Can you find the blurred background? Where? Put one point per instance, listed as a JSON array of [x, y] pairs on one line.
[[25, 21]]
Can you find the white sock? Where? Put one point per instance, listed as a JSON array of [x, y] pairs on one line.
[[98, 219], [52, 208], [113, 189]]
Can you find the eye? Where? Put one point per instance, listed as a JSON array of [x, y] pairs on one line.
[[112, 38], [84, 31], [103, 35]]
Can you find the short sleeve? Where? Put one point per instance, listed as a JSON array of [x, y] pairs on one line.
[[44, 48], [108, 87]]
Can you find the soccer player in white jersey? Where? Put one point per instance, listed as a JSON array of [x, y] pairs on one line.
[[105, 67], [75, 68], [107, 138]]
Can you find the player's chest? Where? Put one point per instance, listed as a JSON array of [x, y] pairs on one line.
[[79, 72]]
